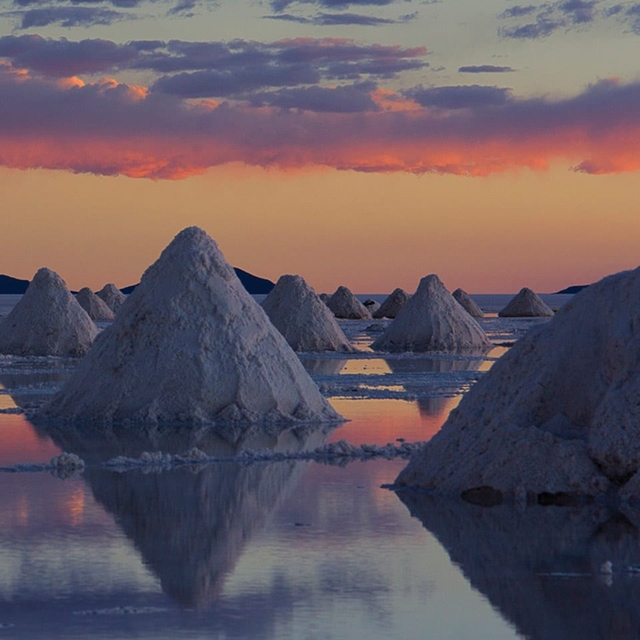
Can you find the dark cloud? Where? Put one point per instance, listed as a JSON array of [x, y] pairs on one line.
[[342, 19], [281, 5], [69, 17], [485, 68], [460, 97], [518, 11]]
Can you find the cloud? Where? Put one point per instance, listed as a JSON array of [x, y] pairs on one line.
[[459, 97], [342, 19], [484, 68], [69, 17], [281, 5]]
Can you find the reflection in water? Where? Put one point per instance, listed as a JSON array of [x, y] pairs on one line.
[[323, 366], [191, 525], [545, 568]]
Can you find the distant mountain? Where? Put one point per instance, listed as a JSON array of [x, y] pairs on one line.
[[253, 284], [573, 289]]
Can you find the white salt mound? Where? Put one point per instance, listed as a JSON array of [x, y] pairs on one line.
[[557, 414], [97, 308], [302, 318], [392, 305], [47, 321], [112, 296], [325, 297], [190, 346], [526, 304], [464, 299], [432, 321], [345, 305], [371, 305]]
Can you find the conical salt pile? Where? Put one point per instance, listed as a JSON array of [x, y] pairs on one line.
[[392, 305], [302, 318], [464, 299], [345, 305], [432, 321], [190, 346], [557, 415], [371, 305], [112, 296], [47, 321], [527, 304], [97, 308]]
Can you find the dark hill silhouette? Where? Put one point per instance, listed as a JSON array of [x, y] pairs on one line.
[[573, 288], [12, 286]]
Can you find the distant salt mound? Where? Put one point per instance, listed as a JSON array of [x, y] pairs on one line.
[[47, 321], [392, 305], [464, 299], [526, 304], [190, 346], [97, 308], [558, 414], [432, 321], [302, 318], [371, 305], [112, 296], [325, 297], [345, 305]]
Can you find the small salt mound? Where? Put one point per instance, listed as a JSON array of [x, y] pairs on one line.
[[112, 296], [527, 304], [302, 318], [371, 305], [557, 414], [392, 305], [325, 297], [47, 321], [97, 308], [432, 321], [464, 299], [345, 305], [190, 346]]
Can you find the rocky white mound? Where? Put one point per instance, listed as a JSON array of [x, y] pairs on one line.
[[464, 299], [557, 414], [526, 304], [97, 308], [112, 296], [302, 318], [190, 346], [392, 305], [345, 305], [47, 321], [432, 321]]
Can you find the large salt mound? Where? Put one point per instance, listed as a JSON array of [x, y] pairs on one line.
[[190, 345], [97, 308], [112, 296], [432, 321], [558, 413], [345, 305], [526, 304], [302, 318], [465, 301], [47, 321], [392, 305]]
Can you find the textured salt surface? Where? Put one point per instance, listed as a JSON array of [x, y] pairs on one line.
[[96, 307], [526, 304], [557, 414], [47, 321], [346, 306], [392, 305], [464, 299], [302, 318], [113, 297], [190, 346]]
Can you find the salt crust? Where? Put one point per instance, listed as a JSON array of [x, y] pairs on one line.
[[557, 414], [432, 321], [47, 321], [464, 300], [112, 296], [526, 304], [96, 307], [346, 306], [392, 305], [302, 318], [190, 346]]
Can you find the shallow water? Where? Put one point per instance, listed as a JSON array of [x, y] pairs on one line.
[[295, 549]]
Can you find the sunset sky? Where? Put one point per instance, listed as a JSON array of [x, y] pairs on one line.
[[363, 142]]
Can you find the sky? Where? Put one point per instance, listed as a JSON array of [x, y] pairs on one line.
[[358, 142]]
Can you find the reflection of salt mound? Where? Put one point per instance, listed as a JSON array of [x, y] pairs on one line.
[[191, 345], [47, 321], [527, 304], [464, 299], [345, 305], [302, 318], [392, 305], [432, 321], [112, 296], [558, 413], [97, 308]]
